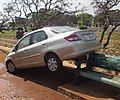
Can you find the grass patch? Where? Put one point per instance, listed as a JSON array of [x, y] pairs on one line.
[[113, 47], [114, 36], [8, 34]]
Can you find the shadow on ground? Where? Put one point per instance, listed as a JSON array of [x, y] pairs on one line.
[[46, 78]]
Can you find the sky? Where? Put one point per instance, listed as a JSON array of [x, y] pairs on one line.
[[85, 3]]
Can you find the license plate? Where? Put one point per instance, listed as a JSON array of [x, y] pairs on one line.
[[89, 36]]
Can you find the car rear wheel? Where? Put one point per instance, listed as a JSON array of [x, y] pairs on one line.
[[53, 62], [11, 67]]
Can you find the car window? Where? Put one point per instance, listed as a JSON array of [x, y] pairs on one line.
[[24, 42], [39, 36], [63, 29]]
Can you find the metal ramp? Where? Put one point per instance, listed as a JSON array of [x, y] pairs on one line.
[[102, 61], [107, 79]]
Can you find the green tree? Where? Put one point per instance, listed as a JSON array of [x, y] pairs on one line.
[[103, 7], [114, 17], [84, 19], [38, 13]]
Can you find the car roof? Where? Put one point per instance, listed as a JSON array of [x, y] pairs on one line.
[[52, 28], [62, 29]]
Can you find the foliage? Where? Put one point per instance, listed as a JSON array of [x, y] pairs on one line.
[[38, 13], [115, 35], [84, 19], [114, 17], [8, 34], [83, 27], [103, 8]]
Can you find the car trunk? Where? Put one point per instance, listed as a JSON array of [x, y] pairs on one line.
[[85, 35]]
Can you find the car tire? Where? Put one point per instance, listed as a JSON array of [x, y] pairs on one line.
[[53, 62], [11, 67]]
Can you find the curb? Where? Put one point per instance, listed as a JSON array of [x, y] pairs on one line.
[[89, 90], [70, 93]]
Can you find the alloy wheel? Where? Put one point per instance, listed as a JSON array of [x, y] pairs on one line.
[[52, 64], [11, 67]]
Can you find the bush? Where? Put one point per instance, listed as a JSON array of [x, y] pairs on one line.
[[83, 27]]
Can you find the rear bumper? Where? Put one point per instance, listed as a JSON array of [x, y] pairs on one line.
[[78, 54], [78, 49]]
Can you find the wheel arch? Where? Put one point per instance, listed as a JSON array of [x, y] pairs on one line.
[[8, 60], [50, 52]]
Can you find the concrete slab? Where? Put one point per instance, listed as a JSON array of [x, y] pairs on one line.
[[90, 90]]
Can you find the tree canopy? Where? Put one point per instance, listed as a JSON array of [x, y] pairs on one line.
[[103, 8], [38, 13], [84, 19]]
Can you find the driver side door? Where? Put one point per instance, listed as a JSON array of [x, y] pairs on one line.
[[21, 56]]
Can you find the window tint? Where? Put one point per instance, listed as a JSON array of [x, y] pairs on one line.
[[24, 42], [39, 36]]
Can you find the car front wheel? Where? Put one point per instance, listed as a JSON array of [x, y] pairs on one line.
[[10, 67], [53, 62]]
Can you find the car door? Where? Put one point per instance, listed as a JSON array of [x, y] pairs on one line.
[[38, 48], [21, 56]]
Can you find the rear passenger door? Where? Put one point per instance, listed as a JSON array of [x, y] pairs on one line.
[[38, 48]]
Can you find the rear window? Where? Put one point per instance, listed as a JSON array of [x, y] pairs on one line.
[[63, 29]]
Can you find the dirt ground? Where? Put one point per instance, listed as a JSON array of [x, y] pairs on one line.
[[2, 56], [28, 85], [40, 84], [112, 49]]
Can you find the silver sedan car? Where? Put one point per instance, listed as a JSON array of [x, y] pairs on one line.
[[50, 46]]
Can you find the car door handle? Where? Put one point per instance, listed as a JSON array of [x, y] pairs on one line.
[[25, 50], [44, 44]]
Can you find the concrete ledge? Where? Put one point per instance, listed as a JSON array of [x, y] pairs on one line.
[[70, 93], [90, 90]]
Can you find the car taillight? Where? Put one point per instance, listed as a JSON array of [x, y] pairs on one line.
[[72, 38]]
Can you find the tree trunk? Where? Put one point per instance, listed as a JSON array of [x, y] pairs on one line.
[[110, 33], [103, 32]]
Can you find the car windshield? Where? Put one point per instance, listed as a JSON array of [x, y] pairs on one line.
[[63, 29]]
